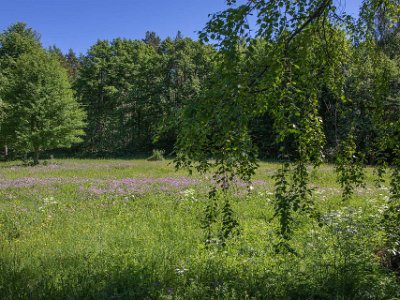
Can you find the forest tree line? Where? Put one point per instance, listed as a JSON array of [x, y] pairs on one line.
[[132, 91]]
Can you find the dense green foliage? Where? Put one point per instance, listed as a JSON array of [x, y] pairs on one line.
[[328, 83], [40, 111], [67, 232], [130, 88]]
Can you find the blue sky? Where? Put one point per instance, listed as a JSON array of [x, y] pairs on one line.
[[77, 24]]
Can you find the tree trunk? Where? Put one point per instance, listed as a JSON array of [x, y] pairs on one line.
[[36, 156], [5, 152]]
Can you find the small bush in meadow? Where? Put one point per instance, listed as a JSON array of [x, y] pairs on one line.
[[157, 155]]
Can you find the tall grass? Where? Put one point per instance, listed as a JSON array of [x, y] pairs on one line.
[[70, 235]]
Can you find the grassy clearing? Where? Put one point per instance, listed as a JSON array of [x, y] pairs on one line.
[[117, 229]]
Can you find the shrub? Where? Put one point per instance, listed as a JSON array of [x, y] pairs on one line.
[[157, 155]]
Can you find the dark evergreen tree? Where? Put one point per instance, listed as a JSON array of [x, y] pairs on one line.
[[152, 39]]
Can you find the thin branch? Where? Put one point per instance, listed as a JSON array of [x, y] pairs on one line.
[[316, 14]]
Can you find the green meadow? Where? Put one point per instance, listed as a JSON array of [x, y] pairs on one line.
[[131, 229]]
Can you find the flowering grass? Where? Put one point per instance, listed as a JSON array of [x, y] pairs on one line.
[[117, 229]]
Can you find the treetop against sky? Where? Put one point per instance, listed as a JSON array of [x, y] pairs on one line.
[[77, 24]]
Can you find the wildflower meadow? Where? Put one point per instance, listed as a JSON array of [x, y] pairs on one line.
[[132, 229]]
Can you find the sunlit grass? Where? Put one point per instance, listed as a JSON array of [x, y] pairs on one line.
[[64, 240]]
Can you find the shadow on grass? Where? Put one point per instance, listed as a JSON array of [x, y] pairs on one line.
[[72, 278]]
